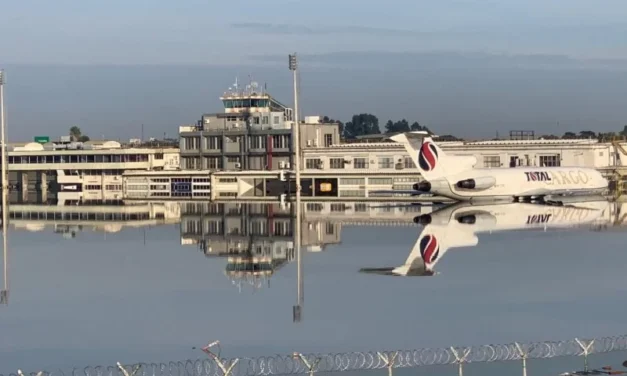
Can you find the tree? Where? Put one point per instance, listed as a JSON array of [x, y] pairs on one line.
[[360, 125], [569, 135], [397, 126], [328, 120], [587, 134], [77, 135]]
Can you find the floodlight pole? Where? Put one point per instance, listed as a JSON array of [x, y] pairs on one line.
[[5, 184], [297, 309]]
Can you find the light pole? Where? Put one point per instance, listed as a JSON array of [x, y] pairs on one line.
[[4, 293], [5, 185], [297, 309], [296, 129]]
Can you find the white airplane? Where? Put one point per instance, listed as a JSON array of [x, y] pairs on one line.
[[457, 225], [455, 177]]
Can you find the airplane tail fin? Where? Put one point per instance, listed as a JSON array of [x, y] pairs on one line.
[[432, 162]]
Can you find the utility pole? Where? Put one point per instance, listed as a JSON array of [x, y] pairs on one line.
[[297, 309]]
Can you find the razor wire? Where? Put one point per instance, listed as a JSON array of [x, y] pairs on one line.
[[294, 364]]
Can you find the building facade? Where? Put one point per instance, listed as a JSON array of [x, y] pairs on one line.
[[253, 133], [87, 171]]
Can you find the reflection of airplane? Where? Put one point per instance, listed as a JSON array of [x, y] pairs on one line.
[[457, 225], [455, 177]]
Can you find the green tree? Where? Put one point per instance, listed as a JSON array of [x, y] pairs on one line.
[[77, 135], [397, 126], [569, 135], [361, 125], [328, 120], [587, 134]]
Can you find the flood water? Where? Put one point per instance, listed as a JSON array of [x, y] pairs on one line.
[[154, 282]]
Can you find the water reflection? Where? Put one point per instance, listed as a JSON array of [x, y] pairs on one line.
[[258, 239], [457, 225], [4, 292], [112, 299]]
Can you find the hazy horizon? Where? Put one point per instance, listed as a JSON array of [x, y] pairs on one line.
[[459, 67]]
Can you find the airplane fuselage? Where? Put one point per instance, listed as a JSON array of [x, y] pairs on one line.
[[512, 183]]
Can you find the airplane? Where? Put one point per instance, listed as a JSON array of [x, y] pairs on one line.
[[455, 177], [458, 224]]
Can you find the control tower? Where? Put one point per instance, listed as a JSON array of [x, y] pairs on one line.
[[252, 99]]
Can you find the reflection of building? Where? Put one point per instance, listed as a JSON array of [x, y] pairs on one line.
[[70, 216], [256, 238]]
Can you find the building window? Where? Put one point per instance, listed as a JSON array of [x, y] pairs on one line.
[[353, 193], [409, 163], [386, 162], [214, 163], [491, 161], [360, 163], [549, 160], [280, 142], [312, 163], [379, 181], [353, 181], [330, 228], [258, 142], [191, 143], [336, 162], [275, 120], [214, 143], [328, 140]]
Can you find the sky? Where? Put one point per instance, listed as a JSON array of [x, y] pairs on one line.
[[488, 64]]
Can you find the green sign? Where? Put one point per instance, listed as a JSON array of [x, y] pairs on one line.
[[42, 139]]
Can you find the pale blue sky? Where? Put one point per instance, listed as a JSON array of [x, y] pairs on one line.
[[205, 31], [469, 68]]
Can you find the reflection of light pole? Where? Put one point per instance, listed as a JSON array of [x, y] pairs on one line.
[[4, 293], [297, 309]]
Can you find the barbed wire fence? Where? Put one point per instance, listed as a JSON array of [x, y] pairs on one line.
[[310, 364]]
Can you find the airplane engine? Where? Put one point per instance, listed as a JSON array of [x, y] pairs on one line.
[[423, 186], [477, 183], [479, 218]]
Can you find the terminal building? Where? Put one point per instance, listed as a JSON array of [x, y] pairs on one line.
[[91, 171]]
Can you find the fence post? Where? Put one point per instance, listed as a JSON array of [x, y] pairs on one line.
[[20, 373], [388, 363], [585, 347], [310, 366], [125, 372], [523, 356], [216, 358], [460, 359]]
